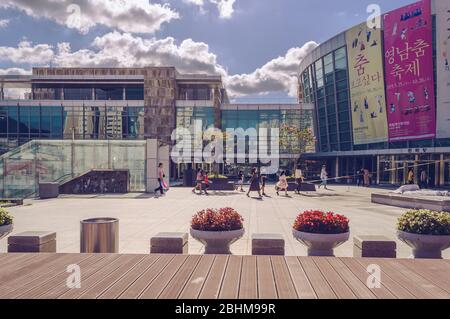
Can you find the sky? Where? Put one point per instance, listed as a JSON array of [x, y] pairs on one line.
[[256, 45]]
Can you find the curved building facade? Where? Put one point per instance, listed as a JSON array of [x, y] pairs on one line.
[[382, 97]]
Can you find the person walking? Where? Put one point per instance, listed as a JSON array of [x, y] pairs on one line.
[[240, 183], [366, 176], [298, 179], [206, 182], [424, 179], [199, 181], [263, 184], [324, 177], [254, 183], [161, 175], [282, 184], [410, 178]]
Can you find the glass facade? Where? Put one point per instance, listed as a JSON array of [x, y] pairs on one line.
[[20, 124], [325, 83], [86, 92]]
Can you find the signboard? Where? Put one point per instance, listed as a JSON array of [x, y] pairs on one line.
[[443, 68], [410, 94], [367, 91]]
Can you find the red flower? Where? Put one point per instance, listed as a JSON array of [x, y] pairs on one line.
[[318, 222], [223, 219]]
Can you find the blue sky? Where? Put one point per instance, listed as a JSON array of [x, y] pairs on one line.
[[254, 44]]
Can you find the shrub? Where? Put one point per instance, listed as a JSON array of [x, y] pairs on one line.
[[318, 222], [223, 219], [425, 222], [218, 176], [5, 217]]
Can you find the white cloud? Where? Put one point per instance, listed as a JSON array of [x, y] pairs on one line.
[[117, 49], [225, 7], [14, 71], [134, 16], [26, 53], [280, 74], [4, 23]]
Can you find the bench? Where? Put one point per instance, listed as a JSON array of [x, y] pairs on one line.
[[169, 243], [268, 245], [32, 242], [374, 246]]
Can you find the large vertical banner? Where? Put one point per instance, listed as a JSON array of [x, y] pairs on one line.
[[365, 59], [408, 37], [443, 67]]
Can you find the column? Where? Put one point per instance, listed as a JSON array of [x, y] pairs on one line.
[[393, 170], [378, 169], [337, 169], [152, 165], [442, 171], [416, 169]]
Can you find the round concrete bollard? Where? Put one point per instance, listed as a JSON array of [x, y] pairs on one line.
[[99, 235]]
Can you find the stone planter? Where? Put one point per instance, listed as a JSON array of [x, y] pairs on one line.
[[321, 244], [425, 246], [217, 242], [5, 230]]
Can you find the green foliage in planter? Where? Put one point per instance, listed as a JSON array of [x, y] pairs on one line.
[[5, 217], [425, 222]]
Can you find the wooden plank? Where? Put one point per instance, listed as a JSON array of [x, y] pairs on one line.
[[299, 279], [197, 280], [15, 287], [16, 259], [338, 285], [435, 271], [37, 279], [283, 280], [419, 280], [174, 288], [25, 271], [321, 287], [232, 279], [266, 281], [361, 273], [249, 282], [138, 287], [400, 279], [394, 287], [117, 288], [359, 289], [51, 288], [101, 280], [213, 283], [158, 285]]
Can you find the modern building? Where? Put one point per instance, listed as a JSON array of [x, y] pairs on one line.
[[129, 104], [382, 97]]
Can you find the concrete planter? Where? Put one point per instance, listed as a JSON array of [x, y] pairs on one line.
[[221, 184], [217, 242], [321, 244], [5, 230], [425, 246]]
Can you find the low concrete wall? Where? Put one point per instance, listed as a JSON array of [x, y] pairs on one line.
[[438, 204]]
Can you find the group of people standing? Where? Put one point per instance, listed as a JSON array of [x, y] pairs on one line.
[[363, 177]]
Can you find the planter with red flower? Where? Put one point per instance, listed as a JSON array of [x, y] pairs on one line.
[[217, 229], [321, 232]]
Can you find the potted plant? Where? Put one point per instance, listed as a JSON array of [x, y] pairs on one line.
[[217, 229], [321, 232], [426, 232], [6, 223]]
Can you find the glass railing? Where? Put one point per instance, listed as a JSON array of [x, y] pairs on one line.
[[40, 161]]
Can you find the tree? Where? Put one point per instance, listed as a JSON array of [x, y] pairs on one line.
[[296, 140]]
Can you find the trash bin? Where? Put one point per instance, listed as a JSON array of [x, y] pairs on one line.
[[99, 235]]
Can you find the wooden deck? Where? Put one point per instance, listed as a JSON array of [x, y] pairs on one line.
[[107, 276]]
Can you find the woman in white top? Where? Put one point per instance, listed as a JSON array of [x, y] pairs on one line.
[[324, 177], [298, 179], [282, 184]]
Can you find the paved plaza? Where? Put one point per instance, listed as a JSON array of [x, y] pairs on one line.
[[142, 216]]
